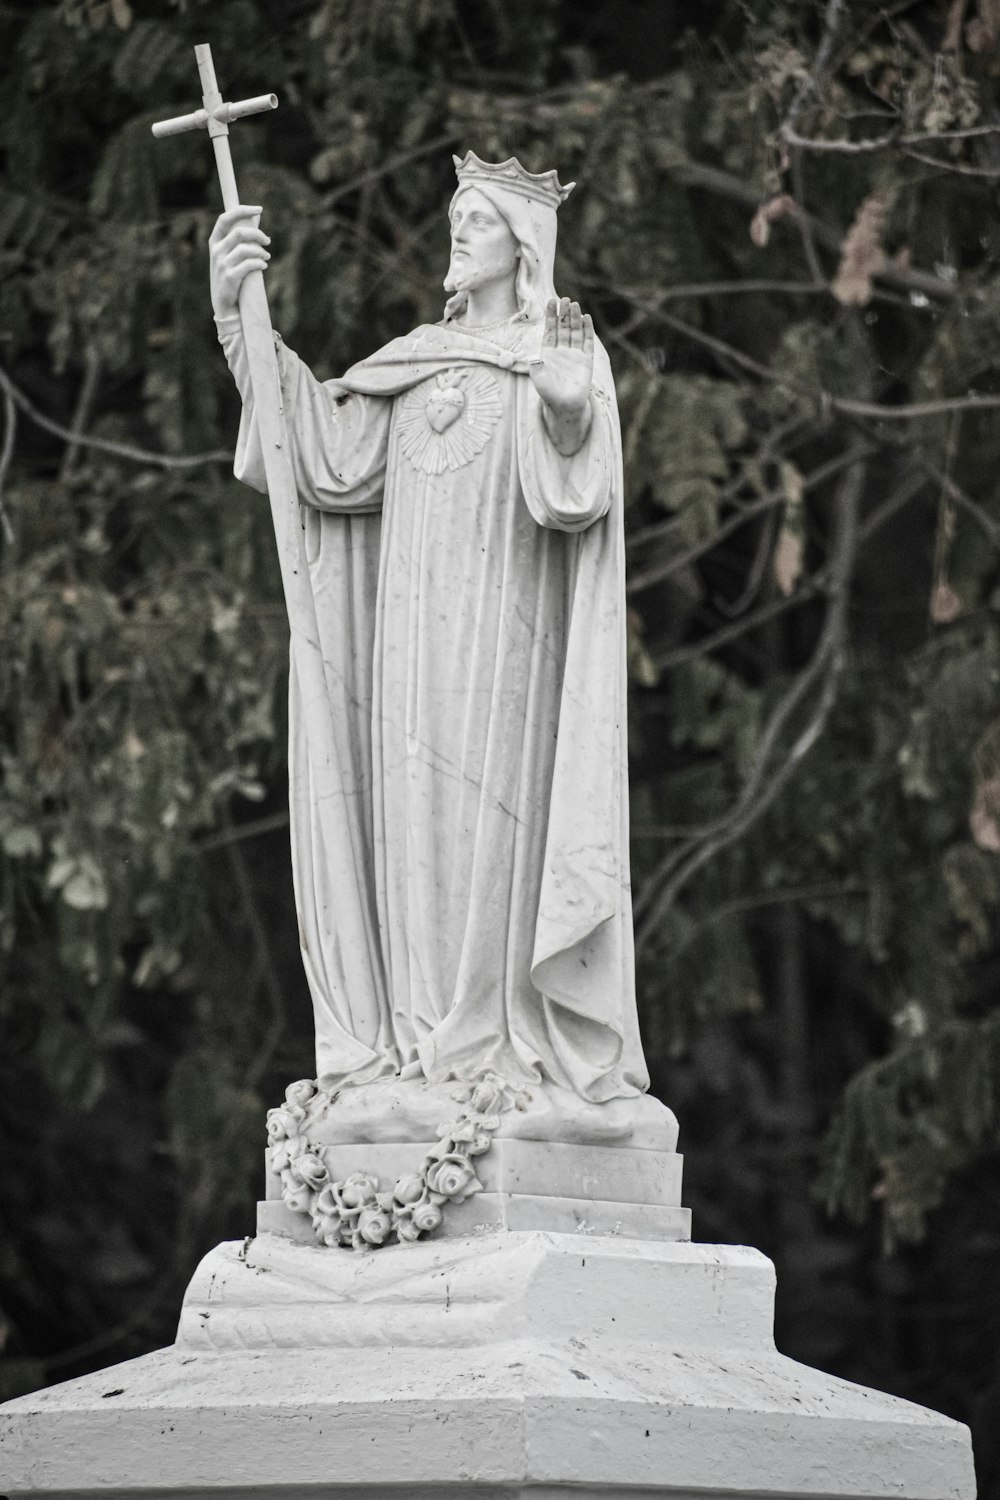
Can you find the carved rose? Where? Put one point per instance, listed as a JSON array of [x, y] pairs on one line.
[[409, 1189], [283, 1124], [328, 1227], [357, 1190], [327, 1203], [453, 1176], [300, 1093], [296, 1193], [373, 1225], [426, 1217], [487, 1095], [406, 1229], [472, 1131], [311, 1170], [280, 1155]]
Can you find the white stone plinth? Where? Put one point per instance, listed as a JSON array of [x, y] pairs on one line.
[[569, 1189], [555, 1365]]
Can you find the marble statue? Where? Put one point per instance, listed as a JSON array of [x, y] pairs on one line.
[[448, 521], [461, 860]]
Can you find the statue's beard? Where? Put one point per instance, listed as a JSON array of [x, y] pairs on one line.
[[465, 273]]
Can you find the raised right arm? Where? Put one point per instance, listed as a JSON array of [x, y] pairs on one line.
[[337, 441]]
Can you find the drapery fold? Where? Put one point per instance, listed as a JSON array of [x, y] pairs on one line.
[[461, 857]]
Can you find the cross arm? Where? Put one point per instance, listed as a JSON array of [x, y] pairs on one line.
[[222, 114]]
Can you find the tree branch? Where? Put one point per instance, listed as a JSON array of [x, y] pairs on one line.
[[658, 571], [810, 84], [678, 867], [81, 414], [9, 434], [103, 445], [906, 411], [725, 185]]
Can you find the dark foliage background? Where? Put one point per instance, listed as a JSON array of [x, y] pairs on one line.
[[786, 229]]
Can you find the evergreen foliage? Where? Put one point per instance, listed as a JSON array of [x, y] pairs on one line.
[[786, 231]]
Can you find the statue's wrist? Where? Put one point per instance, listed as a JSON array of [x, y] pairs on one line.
[[568, 427], [227, 324]]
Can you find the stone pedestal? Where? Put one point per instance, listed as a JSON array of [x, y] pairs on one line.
[[549, 1364]]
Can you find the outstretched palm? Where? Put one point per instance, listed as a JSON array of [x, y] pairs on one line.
[[564, 373]]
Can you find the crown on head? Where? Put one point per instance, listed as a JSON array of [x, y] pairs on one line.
[[544, 187]]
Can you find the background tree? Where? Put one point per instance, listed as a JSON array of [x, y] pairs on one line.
[[786, 231]]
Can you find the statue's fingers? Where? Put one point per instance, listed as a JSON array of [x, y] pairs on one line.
[[549, 331], [588, 335], [575, 326], [233, 216], [564, 330], [248, 234], [249, 258]]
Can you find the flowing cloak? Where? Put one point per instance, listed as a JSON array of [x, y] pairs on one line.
[[459, 801]]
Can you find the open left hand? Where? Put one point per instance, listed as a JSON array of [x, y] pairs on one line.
[[564, 375]]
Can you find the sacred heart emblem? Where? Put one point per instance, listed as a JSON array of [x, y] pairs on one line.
[[427, 424], [444, 406]]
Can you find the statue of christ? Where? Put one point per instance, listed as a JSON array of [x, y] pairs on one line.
[[460, 853]]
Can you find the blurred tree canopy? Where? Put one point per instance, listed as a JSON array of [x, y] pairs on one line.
[[786, 229]]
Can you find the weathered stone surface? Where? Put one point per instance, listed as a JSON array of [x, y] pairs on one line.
[[518, 1362]]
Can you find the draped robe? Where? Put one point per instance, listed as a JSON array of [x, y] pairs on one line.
[[459, 803]]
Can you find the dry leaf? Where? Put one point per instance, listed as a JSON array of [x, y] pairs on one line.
[[787, 564], [983, 31], [641, 667], [945, 604], [984, 819], [861, 254], [792, 483], [769, 213]]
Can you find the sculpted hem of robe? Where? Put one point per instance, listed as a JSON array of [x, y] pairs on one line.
[[459, 802]]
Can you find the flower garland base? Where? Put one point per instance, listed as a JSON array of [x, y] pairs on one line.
[[361, 1213]]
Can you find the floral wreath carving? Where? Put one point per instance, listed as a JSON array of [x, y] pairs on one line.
[[357, 1213]]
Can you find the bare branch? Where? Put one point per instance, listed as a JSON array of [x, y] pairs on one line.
[[725, 185], [810, 85], [658, 571], [844, 146], [992, 173], [387, 168], [9, 434], [757, 795], [802, 220], [841, 145], [103, 445], [808, 588], [81, 414], [906, 411], [235, 833]]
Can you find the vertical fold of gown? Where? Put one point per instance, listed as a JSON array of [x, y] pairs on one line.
[[461, 865]]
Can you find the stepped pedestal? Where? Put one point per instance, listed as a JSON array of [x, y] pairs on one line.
[[540, 1347]]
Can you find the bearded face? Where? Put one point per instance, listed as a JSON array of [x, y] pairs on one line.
[[483, 248]]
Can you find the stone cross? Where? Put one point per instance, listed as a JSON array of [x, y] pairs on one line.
[[216, 116]]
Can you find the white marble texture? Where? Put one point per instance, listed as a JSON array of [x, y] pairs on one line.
[[459, 802], [530, 1168], [519, 1364]]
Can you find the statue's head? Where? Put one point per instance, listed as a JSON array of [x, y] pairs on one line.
[[503, 227], [484, 248]]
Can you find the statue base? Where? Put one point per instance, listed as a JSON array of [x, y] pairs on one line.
[[527, 1184], [558, 1365]]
